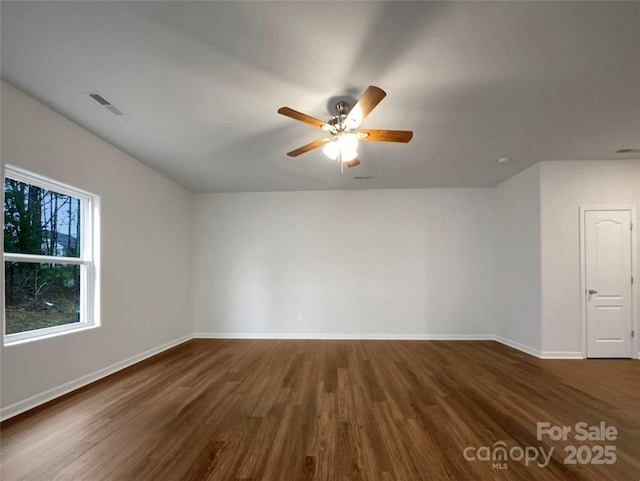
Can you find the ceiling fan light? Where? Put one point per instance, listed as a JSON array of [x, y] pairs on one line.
[[331, 150], [348, 142]]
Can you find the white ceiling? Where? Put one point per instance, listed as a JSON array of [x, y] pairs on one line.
[[200, 84]]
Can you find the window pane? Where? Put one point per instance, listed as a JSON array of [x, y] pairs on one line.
[[40, 221], [40, 295]]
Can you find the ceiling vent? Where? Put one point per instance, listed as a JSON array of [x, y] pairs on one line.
[[628, 151], [363, 177], [99, 98]]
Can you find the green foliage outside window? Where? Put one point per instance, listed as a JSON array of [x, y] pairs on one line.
[[39, 221]]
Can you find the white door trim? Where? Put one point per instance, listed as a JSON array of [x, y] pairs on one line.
[[634, 272]]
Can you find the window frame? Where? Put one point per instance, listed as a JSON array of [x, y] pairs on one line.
[[87, 260]]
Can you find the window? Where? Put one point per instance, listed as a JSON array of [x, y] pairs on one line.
[[50, 252]]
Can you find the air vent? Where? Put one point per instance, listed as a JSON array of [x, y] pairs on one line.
[[628, 151], [363, 177], [98, 97]]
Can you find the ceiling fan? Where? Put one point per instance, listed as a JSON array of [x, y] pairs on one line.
[[343, 143]]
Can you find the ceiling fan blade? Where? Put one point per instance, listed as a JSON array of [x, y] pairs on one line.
[[310, 146], [385, 135], [353, 162], [307, 119], [370, 98]]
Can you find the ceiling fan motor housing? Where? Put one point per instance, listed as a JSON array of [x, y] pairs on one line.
[[343, 108], [339, 122]]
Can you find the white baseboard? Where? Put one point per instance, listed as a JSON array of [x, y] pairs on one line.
[[520, 347], [46, 396], [381, 337], [538, 353], [561, 355], [395, 337]]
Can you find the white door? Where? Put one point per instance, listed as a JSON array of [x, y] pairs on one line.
[[607, 244]]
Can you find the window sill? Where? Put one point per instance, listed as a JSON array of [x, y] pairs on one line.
[[18, 339]]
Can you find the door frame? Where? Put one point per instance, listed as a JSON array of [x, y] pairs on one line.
[[635, 351]]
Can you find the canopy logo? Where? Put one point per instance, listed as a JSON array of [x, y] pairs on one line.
[[499, 454]]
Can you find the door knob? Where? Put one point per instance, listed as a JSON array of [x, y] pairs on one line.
[[592, 291]]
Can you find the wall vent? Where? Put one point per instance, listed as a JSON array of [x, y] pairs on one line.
[[99, 98], [363, 177]]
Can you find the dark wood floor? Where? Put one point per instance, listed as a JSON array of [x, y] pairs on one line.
[[328, 410]]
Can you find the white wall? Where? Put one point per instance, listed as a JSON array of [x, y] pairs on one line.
[[518, 260], [564, 187], [146, 254], [370, 263]]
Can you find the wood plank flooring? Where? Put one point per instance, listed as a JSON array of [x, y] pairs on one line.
[[295, 410]]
